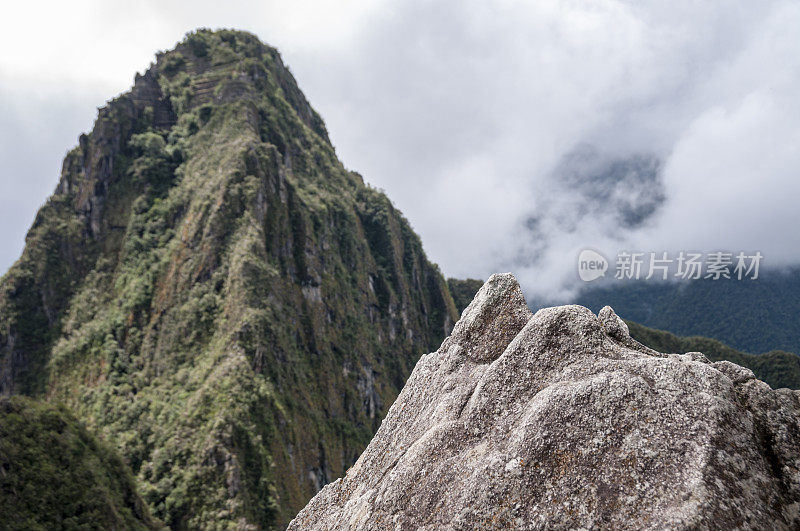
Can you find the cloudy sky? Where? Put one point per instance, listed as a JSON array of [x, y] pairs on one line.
[[511, 134]]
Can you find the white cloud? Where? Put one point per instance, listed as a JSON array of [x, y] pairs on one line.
[[467, 112]]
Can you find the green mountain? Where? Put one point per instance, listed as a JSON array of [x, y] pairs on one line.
[[55, 475], [777, 368], [749, 315], [214, 295]]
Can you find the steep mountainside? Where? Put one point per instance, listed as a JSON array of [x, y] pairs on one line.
[[560, 420], [751, 316], [55, 475], [213, 294]]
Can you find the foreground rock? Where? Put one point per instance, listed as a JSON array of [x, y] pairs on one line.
[[560, 419]]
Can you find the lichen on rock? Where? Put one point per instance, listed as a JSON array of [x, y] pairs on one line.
[[561, 420]]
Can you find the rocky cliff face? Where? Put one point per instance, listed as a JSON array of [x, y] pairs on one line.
[[215, 295], [561, 420]]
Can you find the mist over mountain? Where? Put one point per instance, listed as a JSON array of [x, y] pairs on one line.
[[697, 99], [475, 109]]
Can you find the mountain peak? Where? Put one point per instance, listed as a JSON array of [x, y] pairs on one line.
[[573, 424], [215, 67], [495, 316], [211, 289]]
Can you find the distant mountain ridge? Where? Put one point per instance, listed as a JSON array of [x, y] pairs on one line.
[[751, 316], [776, 367], [214, 295]]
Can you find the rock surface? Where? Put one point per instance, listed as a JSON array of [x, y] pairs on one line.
[[560, 419]]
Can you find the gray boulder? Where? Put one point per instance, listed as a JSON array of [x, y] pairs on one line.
[[561, 420]]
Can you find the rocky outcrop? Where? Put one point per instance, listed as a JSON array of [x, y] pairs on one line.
[[560, 419]]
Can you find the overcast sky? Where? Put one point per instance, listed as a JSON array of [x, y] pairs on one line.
[[511, 134]]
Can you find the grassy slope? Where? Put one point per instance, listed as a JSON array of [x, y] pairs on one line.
[[55, 475], [215, 295]]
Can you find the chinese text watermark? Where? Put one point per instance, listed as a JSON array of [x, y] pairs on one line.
[[681, 265]]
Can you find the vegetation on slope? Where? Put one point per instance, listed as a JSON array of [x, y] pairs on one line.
[[213, 293], [463, 291], [55, 475]]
